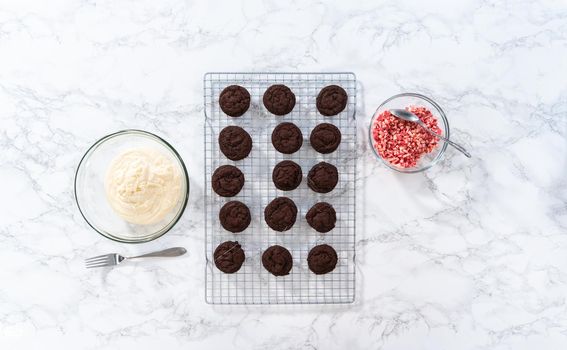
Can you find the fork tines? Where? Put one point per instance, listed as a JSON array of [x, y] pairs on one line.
[[100, 261]]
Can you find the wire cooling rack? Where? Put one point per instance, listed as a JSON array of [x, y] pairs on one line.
[[252, 284]]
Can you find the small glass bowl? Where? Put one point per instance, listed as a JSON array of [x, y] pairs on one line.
[[401, 101], [90, 192]]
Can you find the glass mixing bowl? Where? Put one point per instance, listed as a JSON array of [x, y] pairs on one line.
[[90, 191], [401, 101]]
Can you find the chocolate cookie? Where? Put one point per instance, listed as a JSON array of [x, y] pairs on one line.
[[235, 143], [325, 138], [234, 100], [277, 260], [279, 99], [234, 216], [323, 177], [322, 259], [287, 175], [331, 100], [287, 138], [229, 257], [280, 214], [227, 180], [322, 217]]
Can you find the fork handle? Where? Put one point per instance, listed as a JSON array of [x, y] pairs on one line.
[[166, 253]]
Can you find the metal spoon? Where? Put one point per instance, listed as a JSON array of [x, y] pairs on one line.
[[410, 117]]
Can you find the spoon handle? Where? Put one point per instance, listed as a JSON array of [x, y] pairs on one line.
[[457, 146]]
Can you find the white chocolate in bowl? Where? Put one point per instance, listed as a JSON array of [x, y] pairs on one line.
[[143, 185]]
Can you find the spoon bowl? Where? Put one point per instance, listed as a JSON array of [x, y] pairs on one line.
[[405, 115]]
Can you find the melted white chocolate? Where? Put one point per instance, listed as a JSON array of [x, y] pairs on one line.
[[143, 186]]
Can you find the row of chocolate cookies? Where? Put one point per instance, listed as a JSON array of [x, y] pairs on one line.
[[228, 180], [235, 142], [280, 215], [279, 99], [229, 257], [288, 139], [322, 178]]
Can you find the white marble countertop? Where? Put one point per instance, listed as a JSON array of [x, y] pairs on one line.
[[469, 255]]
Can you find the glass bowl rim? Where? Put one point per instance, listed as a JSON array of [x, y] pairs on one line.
[[443, 118], [105, 138]]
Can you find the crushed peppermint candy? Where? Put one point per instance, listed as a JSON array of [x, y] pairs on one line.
[[403, 143]]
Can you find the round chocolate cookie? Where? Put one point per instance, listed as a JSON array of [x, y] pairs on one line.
[[322, 217], [234, 100], [277, 260], [323, 177], [234, 216], [235, 143], [331, 100], [287, 138], [279, 99], [280, 214], [287, 175], [227, 180], [229, 257], [322, 259], [325, 138]]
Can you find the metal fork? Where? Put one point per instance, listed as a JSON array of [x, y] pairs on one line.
[[115, 259]]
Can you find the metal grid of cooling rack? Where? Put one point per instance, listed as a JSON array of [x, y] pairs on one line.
[[252, 284]]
